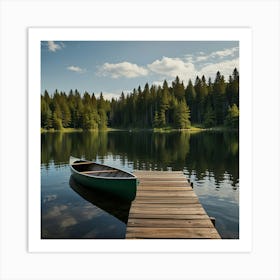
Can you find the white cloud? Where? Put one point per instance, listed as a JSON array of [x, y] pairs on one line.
[[225, 67], [172, 67], [157, 83], [225, 52], [123, 69], [167, 68], [49, 197], [53, 47], [160, 83], [76, 69], [56, 211], [115, 95], [109, 95], [189, 58], [202, 57], [67, 222]]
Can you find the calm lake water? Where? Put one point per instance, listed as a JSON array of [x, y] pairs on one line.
[[68, 210]]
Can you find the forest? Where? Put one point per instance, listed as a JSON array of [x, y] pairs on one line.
[[203, 103]]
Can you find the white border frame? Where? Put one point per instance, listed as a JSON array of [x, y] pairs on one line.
[[243, 35]]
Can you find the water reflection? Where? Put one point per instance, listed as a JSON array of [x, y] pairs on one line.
[[215, 155], [110, 204], [67, 214], [210, 159]]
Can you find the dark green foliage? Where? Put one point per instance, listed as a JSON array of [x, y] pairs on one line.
[[61, 111], [191, 101], [204, 103], [46, 114], [232, 90], [57, 122], [209, 117], [182, 115], [156, 120], [232, 118], [178, 89], [219, 98]]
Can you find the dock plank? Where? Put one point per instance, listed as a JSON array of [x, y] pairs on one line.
[[163, 200], [167, 207], [165, 188], [170, 223], [166, 194], [170, 210], [172, 233], [169, 216]]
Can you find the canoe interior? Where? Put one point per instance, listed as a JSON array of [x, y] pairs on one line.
[[99, 170]]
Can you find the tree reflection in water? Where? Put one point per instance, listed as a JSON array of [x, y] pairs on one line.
[[202, 154]]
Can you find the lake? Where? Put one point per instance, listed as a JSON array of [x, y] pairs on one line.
[[68, 210]]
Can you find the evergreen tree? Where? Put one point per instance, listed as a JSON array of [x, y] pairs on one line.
[[146, 105], [235, 87], [65, 111], [199, 99], [46, 114], [178, 89], [232, 118], [209, 117], [191, 101], [57, 121], [164, 105], [102, 112], [156, 122], [182, 115], [155, 106], [219, 97]]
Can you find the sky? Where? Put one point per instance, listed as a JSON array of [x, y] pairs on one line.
[[113, 67]]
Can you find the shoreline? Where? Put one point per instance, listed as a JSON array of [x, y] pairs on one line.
[[155, 130]]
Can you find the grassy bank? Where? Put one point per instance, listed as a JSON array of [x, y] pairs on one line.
[[192, 129], [66, 130], [170, 129]]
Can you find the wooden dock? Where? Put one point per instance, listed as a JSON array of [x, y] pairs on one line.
[[167, 207]]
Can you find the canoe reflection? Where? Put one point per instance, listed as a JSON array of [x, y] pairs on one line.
[[108, 203]]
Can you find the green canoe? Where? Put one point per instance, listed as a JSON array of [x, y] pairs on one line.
[[104, 178]]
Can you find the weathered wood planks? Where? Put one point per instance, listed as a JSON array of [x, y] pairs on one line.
[[167, 207], [146, 232]]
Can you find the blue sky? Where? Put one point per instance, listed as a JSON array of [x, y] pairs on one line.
[[115, 66]]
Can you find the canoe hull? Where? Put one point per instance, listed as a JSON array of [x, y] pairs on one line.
[[122, 188]]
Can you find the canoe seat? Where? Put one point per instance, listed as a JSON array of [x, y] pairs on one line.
[[99, 171], [82, 162]]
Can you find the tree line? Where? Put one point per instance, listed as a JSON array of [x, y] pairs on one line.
[[204, 103]]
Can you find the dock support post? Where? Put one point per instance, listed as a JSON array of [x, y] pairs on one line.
[[213, 220]]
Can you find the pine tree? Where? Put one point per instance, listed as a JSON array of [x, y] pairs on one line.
[[57, 121], [178, 89], [164, 105], [199, 99], [156, 120], [46, 114], [161, 119], [182, 116], [219, 97], [65, 111], [191, 101], [209, 117], [102, 112], [232, 118], [235, 87], [153, 107]]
